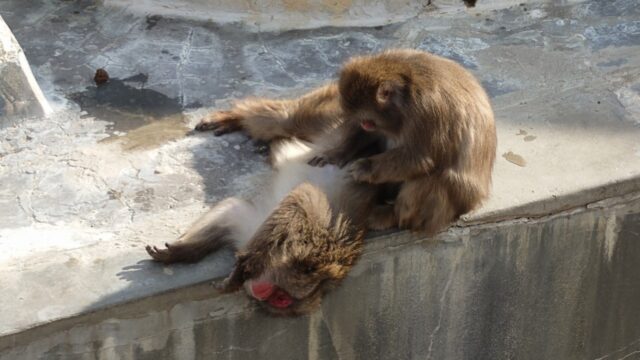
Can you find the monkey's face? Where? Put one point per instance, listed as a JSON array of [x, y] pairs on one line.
[[296, 278], [289, 290], [373, 93], [299, 253]]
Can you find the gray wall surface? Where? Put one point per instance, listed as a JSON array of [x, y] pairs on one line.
[[563, 287]]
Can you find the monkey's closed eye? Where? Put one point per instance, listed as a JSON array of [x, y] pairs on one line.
[[306, 267]]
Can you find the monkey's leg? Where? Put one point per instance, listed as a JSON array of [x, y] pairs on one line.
[[211, 232], [424, 205], [382, 217]]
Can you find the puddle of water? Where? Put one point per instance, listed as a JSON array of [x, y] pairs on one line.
[[147, 117], [514, 159], [153, 134]]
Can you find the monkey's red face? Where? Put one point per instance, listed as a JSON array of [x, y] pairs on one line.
[[285, 291], [269, 293]]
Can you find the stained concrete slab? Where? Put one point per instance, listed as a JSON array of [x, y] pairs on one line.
[[110, 171]]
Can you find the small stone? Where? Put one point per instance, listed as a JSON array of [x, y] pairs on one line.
[[101, 76], [237, 147], [514, 159]]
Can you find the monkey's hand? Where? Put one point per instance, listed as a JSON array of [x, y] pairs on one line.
[[361, 170], [162, 255], [221, 122], [335, 157], [226, 286]]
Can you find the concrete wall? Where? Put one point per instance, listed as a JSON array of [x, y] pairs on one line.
[[20, 94], [563, 287]]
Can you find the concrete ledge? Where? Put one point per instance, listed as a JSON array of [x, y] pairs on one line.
[[550, 288], [113, 169], [20, 94]]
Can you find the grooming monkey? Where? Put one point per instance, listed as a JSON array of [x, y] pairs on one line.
[[440, 133], [430, 115]]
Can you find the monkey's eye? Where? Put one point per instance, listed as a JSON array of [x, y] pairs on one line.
[[306, 268]]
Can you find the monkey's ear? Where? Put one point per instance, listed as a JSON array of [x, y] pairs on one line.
[[388, 92]]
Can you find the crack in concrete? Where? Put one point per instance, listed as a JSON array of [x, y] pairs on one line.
[[27, 207], [637, 341], [441, 310], [184, 58], [117, 195], [234, 348]]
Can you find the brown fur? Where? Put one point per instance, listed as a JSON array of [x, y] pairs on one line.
[[434, 113], [302, 247], [438, 127], [441, 125], [305, 247]]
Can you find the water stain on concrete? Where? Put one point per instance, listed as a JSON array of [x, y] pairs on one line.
[[514, 159], [147, 117]]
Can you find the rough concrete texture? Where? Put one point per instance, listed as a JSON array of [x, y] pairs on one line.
[[114, 168], [562, 287], [20, 94], [274, 15]]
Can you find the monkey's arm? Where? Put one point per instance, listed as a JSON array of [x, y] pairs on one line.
[[395, 165], [265, 119], [355, 144]]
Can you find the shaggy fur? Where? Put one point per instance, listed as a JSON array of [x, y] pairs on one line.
[[418, 136], [440, 131], [301, 236]]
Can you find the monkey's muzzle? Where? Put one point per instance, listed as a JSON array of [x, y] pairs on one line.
[[368, 125]]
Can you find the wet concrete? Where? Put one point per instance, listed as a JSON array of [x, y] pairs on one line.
[[138, 118]]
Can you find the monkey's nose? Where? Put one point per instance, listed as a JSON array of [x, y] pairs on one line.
[[262, 290]]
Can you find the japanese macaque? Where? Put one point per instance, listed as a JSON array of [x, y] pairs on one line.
[[294, 242], [439, 129], [403, 139], [431, 117]]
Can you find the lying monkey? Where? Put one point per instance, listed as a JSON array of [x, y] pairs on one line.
[[294, 242]]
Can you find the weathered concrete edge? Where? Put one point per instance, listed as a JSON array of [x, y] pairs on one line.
[[238, 303], [8, 41], [554, 204]]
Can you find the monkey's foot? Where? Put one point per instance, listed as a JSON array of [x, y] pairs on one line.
[[221, 122], [360, 170], [318, 161], [171, 253]]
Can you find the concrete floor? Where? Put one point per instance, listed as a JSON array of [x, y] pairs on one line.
[[116, 168]]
